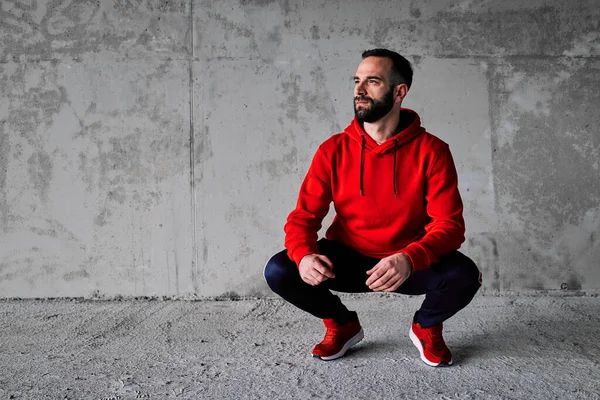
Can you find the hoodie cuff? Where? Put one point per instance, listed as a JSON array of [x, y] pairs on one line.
[[418, 256], [299, 252]]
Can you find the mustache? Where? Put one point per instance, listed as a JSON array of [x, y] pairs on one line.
[[362, 98]]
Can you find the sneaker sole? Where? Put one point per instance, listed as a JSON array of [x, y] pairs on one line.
[[354, 340], [419, 347]]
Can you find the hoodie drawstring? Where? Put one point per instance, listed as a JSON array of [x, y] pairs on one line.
[[395, 174], [362, 149], [395, 147]]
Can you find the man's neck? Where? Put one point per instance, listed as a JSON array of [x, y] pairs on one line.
[[385, 128]]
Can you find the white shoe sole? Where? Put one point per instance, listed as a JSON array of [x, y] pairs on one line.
[[354, 340], [419, 347]]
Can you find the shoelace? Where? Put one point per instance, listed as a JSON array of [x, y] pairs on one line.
[[436, 338], [330, 335]]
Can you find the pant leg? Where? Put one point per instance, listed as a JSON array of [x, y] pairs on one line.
[[349, 267], [448, 286]]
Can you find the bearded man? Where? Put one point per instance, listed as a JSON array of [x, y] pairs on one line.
[[398, 222]]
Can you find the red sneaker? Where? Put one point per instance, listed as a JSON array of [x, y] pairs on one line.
[[431, 344], [338, 339]]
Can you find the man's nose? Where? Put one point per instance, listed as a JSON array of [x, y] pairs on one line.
[[359, 89]]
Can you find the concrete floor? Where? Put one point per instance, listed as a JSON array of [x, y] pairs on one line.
[[504, 348]]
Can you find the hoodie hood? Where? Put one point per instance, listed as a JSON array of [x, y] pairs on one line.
[[356, 132]]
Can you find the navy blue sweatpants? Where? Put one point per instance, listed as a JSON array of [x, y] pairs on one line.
[[448, 286]]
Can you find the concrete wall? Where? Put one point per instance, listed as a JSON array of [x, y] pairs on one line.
[[156, 147]]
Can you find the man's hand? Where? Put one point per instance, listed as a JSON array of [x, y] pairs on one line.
[[315, 268], [389, 273]]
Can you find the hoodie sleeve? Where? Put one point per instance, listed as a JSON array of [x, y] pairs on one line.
[[314, 199], [446, 230]]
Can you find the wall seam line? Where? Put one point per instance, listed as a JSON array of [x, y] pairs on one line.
[[192, 154]]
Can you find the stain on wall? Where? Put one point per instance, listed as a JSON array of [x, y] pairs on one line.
[[40, 173], [483, 249], [4, 155]]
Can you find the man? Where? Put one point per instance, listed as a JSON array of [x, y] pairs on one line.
[[398, 219]]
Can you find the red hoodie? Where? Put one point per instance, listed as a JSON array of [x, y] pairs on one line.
[[400, 196]]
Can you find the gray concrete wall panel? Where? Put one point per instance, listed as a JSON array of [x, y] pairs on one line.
[[95, 194], [546, 172], [250, 161]]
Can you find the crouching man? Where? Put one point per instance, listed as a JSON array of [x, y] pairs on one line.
[[398, 221]]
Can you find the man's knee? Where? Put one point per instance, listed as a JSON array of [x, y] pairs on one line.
[[277, 270], [462, 271]]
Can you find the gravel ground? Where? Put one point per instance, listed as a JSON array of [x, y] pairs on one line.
[[504, 348]]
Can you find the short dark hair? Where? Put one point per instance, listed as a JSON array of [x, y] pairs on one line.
[[401, 70]]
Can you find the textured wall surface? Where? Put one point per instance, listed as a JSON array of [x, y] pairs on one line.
[[156, 147]]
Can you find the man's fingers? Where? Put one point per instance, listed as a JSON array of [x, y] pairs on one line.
[[388, 281], [328, 273], [375, 273], [382, 282], [311, 277], [392, 285], [372, 279], [386, 287], [308, 279], [325, 260], [375, 268], [327, 267], [392, 288], [388, 274], [318, 274], [324, 269], [313, 280]]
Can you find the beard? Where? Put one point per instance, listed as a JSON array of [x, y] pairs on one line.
[[377, 109]]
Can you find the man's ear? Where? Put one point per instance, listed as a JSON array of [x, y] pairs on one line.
[[400, 92]]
